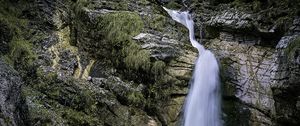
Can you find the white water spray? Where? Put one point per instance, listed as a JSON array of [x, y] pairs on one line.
[[202, 106]]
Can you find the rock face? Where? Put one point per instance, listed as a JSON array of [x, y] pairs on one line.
[[251, 54], [10, 96], [125, 62]]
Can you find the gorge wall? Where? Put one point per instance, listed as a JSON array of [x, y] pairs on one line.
[[125, 62]]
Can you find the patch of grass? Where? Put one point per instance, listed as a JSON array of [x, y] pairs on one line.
[[54, 112], [120, 26], [21, 54], [78, 7], [136, 58], [136, 98], [157, 22], [117, 29], [158, 68], [10, 15], [79, 118], [143, 2], [7, 60], [173, 5]]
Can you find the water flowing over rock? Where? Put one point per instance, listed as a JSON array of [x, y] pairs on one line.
[[202, 106], [125, 62]]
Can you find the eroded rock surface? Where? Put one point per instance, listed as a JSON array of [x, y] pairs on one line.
[[10, 96], [125, 62]]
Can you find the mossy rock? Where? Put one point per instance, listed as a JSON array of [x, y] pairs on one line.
[[118, 27], [158, 68], [157, 22], [116, 30], [236, 113], [17, 51], [5, 37], [174, 4], [10, 16], [136, 99], [291, 49], [21, 55], [60, 101]]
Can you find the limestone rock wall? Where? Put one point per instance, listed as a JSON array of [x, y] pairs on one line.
[[10, 96], [125, 62]]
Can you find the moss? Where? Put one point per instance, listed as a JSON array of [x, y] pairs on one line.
[[113, 4], [7, 60], [10, 15], [173, 5], [78, 7], [136, 98], [284, 23], [290, 49], [67, 101], [136, 58], [55, 113], [21, 54], [256, 5], [143, 2], [79, 118], [48, 76], [120, 26], [157, 22], [117, 30], [20, 51], [158, 68]]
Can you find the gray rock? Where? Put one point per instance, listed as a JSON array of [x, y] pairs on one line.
[[160, 47], [10, 96]]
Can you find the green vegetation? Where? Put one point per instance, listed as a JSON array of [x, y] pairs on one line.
[[143, 2], [21, 53], [78, 7], [70, 103], [113, 4], [136, 98], [158, 68], [7, 60], [173, 5], [137, 59], [117, 29], [79, 118], [10, 16], [157, 22], [120, 26]]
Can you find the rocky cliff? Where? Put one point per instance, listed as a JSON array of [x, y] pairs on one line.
[[125, 62]]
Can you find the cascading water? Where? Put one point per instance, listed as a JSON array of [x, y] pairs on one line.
[[202, 106]]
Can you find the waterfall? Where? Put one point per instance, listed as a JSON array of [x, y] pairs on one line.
[[202, 105]]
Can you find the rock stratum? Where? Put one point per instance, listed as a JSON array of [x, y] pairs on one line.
[[125, 62]]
